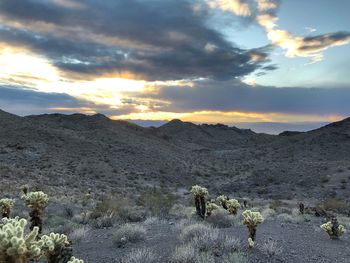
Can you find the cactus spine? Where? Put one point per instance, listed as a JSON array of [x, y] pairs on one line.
[[333, 229], [200, 194], [6, 205], [37, 201], [251, 220]]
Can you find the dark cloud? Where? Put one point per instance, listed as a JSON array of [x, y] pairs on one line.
[[163, 39], [233, 95]]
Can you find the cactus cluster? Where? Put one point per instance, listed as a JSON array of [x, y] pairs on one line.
[[232, 206], [251, 220], [15, 246], [222, 200], [211, 207], [200, 194], [6, 205], [75, 260], [54, 246], [37, 201], [333, 228]]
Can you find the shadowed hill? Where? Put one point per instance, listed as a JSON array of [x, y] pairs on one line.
[[80, 151]]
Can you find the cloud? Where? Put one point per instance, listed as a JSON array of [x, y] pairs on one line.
[[235, 96], [264, 13], [238, 7], [23, 101], [118, 37]]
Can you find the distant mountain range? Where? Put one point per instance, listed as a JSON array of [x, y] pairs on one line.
[[79, 152], [259, 127]]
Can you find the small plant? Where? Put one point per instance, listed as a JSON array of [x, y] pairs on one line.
[[251, 242], [142, 255], [129, 233], [232, 206], [199, 199], [15, 246], [333, 229], [75, 260], [251, 220], [6, 206], [211, 207], [222, 200], [37, 201]]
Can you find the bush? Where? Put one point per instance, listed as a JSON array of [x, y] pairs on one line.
[[207, 241], [335, 205], [271, 248], [190, 232], [235, 257], [142, 255], [129, 233], [157, 202], [221, 218], [184, 254]]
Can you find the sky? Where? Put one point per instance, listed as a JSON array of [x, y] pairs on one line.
[[241, 62]]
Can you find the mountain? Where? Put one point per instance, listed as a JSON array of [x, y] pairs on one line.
[[80, 152]]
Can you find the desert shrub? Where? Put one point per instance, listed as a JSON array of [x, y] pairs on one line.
[[113, 203], [221, 218], [154, 221], [267, 213], [180, 211], [271, 248], [184, 254], [235, 257], [143, 255], [158, 202], [295, 217], [190, 232], [129, 233], [206, 241], [105, 221], [68, 212], [78, 234], [335, 205]]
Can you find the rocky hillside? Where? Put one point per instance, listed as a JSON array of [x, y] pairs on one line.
[[79, 151]]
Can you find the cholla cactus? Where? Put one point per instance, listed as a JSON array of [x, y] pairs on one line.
[[211, 207], [54, 246], [37, 201], [333, 229], [75, 260], [6, 205], [251, 220], [199, 198], [233, 205], [199, 191], [15, 246], [251, 243], [222, 200]]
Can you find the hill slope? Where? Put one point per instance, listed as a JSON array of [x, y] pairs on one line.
[[79, 151]]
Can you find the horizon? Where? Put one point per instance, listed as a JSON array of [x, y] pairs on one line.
[[272, 128], [247, 63]]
